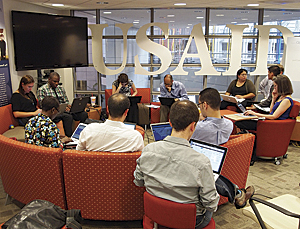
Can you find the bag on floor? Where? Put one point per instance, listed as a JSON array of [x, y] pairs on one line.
[[42, 214]]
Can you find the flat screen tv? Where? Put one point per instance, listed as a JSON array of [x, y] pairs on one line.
[[43, 41]]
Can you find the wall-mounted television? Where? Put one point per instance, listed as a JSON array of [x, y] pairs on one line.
[[43, 41]]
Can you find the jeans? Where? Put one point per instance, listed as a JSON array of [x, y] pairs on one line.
[[203, 220]]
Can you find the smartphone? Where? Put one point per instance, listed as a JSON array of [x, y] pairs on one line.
[[242, 108]]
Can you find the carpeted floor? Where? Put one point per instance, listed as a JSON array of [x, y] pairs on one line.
[[268, 179]]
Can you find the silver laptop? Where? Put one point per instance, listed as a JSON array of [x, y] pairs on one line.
[[160, 130], [232, 99], [76, 134], [130, 125], [216, 154]]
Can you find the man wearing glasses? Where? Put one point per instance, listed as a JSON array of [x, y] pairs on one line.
[[212, 127], [41, 130]]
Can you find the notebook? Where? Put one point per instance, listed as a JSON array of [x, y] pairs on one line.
[[130, 125], [62, 107], [79, 104], [216, 154], [232, 99], [160, 130], [76, 134], [166, 101]]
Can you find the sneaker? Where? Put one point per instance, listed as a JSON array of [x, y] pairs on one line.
[[246, 194]]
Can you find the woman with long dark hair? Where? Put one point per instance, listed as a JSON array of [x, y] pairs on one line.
[[241, 88], [123, 85], [24, 103]]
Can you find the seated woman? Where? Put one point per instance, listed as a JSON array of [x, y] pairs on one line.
[[24, 103], [281, 105], [123, 85], [241, 88]]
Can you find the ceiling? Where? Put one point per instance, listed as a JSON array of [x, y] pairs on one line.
[[129, 4]]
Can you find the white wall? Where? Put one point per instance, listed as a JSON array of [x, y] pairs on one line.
[[8, 6]]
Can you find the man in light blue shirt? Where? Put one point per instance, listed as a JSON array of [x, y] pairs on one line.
[[212, 127], [171, 89]]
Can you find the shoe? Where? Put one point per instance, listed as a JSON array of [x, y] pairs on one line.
[[243, 131], [246, 194]]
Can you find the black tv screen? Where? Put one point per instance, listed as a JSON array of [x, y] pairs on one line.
[[43, 41]]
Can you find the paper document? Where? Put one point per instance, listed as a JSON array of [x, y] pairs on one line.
[[265, 109], [152, 106]]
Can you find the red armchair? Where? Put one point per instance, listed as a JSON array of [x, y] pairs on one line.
[[237, 161], [30, 172], [100, 184], [169, 214], [273, 136]]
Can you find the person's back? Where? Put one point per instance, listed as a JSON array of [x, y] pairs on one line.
[[212, 127], [113, 135], [172, 170]]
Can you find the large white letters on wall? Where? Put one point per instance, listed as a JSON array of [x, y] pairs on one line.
[[164, 54]]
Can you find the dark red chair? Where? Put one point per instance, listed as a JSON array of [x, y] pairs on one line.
[[169, 214], [273, 136]]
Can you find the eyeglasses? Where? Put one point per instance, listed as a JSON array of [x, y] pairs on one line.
[[198, 105], [56, 109]]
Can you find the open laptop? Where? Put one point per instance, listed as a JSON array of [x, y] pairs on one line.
[[216, 154], [76, 134], [160, 130], [134, 99], [79, 104], [166, 101], [232, 99], [130, 125]]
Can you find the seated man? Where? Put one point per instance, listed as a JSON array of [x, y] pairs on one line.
[[41, 130], [52, 88], [171, 89], [267, 85], [113, 135], [172, 170], [212, 127]]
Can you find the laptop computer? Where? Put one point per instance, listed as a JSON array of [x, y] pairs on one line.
[[216, 154], [134, 99], [160, 130], [62, 107], [166, 101], [232, 99], [76, 134], [130, 125], [79, 104]]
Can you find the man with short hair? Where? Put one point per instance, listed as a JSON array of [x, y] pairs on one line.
[[172, 170], [171, 89], [212, 127], [266, 85], [52, 88], [113, 135], [41, 130]]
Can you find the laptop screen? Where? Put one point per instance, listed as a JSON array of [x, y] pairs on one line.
[[78, 130], [215, 153], [161, 130], [130, 125]]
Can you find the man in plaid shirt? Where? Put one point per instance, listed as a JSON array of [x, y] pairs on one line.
[[52, 88]]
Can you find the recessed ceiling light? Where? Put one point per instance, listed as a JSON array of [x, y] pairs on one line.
[[94, 16], [220, 15], [136, 22], [266, 15], [234, 22], [253, 5], [244, 19], [106, 12], [199, 17], [55, 4], [180, 4], [171, 21], [187, 27], [170, 15], [190, 24]]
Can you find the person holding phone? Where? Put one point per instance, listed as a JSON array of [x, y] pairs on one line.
[[123, 85]]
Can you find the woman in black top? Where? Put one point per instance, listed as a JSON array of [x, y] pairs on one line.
[[241, 88], [24, 103]]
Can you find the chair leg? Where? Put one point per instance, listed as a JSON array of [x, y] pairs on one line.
[[8, 200]]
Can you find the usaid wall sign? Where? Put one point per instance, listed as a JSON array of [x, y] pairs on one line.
[[165, 56]]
